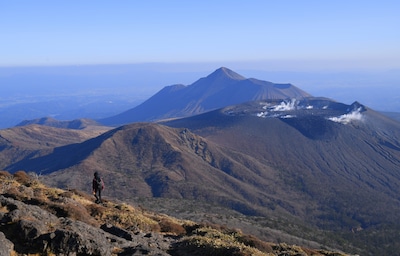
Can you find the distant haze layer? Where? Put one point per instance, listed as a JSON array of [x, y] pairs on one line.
[[105, 90]]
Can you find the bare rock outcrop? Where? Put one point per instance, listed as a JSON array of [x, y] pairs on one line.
[[31, 229]]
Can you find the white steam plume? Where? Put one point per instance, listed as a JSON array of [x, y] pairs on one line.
[[347, 118], [285, 106]]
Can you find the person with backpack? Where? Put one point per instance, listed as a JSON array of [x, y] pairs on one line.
[[97, 186]]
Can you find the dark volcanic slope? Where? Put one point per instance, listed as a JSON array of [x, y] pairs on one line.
[[305, 157], [344, 158], [324, 163], [221, 88], [153, 160]]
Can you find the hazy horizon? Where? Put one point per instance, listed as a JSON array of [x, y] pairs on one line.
[[137, 82]]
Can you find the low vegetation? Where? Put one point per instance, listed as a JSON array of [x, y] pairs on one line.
[[187, 237]]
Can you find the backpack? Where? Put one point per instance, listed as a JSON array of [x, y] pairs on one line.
[[99, 183]]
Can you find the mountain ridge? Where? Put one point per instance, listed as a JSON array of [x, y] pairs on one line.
[[250, 158], [221, 88], [326, 166], [77, 124]]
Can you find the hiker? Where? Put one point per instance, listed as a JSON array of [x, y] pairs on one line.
[[97, 186]]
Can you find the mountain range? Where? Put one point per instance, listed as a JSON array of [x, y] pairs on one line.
[[221, 88], [275, 153]]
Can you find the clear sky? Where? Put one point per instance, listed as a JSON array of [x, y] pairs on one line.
[[341, 33]]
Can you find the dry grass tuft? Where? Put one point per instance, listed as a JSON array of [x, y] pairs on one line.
[[167, 225], [209, 241], [73, 211], [13, 253], [22, 177], [255, 242], [130, 220], [96, 211], [67, 194], [5, 174], [14, 193], [123, 216], [80, 194], [7, 181]]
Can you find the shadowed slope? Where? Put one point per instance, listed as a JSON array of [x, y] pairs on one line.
[[31, 141], [153, 160], [351, 169]]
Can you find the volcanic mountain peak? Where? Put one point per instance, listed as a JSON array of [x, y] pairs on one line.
[[221, 88], [224, 72]]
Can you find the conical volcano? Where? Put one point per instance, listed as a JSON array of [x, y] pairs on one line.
[[221, 88]]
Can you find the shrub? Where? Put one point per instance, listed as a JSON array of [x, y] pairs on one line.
[[95, 210], [6, 181], [209, 241], [73, 211], [67, 194], [169, 226], [22, 177], [5, 174], [14, 193], [253, 241], [129, 220]]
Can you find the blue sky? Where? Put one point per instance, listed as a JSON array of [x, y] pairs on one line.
[[313, 34]]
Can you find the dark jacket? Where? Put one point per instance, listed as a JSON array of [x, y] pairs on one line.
[[97, 183]]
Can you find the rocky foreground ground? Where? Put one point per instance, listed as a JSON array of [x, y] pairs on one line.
[[38, 220]]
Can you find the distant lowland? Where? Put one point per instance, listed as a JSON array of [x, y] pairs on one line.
[[267, 158]]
